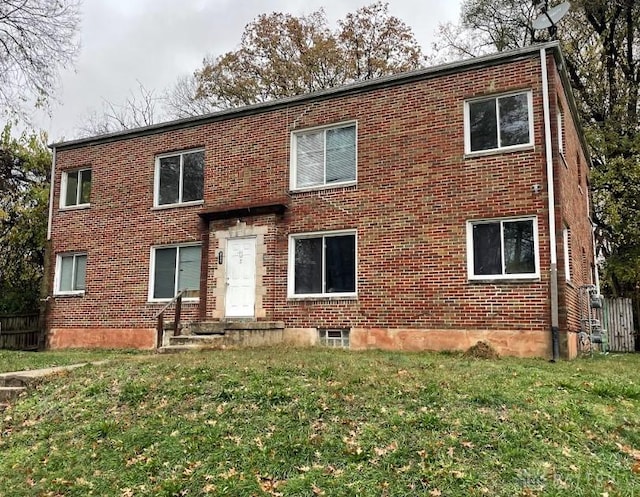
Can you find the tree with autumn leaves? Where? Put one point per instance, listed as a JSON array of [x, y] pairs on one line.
[[25, 163], [281, 55]]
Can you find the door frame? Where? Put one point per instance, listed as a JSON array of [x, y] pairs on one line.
[[255, 280]]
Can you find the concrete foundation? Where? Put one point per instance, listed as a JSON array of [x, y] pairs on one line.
[[505, 342]]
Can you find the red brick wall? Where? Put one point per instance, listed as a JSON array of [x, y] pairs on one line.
[[414, 195], [572, 198]]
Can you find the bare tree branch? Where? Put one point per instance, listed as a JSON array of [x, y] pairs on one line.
[[37, 37], [138, 110]]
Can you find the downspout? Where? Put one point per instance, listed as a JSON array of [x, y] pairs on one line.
[[45, 296], [553, 268], [51, 183], [596, 274]]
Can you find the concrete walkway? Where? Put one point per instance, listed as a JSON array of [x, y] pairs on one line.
[[14, 383], [39, 373]]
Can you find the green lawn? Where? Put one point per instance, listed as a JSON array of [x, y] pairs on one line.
[[328, 422], [19, 361]]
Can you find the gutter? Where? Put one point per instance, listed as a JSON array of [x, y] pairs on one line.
[[553, 266], [307, 98]]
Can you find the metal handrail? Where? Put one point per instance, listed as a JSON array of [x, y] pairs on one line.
[[176, 320]]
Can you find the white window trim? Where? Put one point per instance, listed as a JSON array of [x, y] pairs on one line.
[[291, 266], [467, 128], [566, 234], [156, 180], [560, 118], [63, 190], [152, 271], [517, 276], [293, 158], [58, 274]]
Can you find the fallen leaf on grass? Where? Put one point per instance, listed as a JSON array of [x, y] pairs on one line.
[[317, 490], [269, 485], [435, 493], [381, 451], [635, 453], [229, 474]]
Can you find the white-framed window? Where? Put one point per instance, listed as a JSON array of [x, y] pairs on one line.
[[322, 264], [75, 188], [179, 178], [70, 275], [174, 268], [566, 237], [503, 249], [498, 123], [324, 157]]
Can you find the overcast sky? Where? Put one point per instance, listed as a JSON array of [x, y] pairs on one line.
[[156, 41]]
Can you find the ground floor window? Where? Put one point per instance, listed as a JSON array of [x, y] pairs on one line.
[[322, 264], [174, 268], [503, 249], [70, 276]]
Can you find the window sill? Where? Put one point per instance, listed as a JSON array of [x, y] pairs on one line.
[[176, 206], [495, 281], [69, 294], [322, 298], [322, 188], [496, 151], [195, 300], [75, 207]]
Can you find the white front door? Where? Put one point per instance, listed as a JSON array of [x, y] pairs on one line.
[[241, 277]]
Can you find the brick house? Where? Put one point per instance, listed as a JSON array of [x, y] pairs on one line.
[[421, 211]]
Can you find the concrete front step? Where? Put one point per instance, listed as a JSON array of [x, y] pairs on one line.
[[222, 334], [196, 340], [221, 327], [175, 349]]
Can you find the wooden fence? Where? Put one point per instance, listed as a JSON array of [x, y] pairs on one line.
[[20, 332], [618, 322]]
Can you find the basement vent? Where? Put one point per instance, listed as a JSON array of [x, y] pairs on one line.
[[332, 337]]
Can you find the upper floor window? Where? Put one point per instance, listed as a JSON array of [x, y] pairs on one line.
[[179, 178], [322, 264], [502, 249], [323, 157], [173, 269], [75, 188], [499, 123], [70, 275]]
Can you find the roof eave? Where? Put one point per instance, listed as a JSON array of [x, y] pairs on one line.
[[353, 88]]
